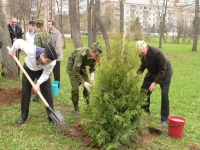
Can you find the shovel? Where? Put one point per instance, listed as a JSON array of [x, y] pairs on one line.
[[56, 117]]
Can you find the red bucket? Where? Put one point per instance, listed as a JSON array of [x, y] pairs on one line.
[[176, 126]]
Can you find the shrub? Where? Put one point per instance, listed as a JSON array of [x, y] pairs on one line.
[[113, 115]]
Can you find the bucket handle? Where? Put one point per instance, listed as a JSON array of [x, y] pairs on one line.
[[176, 125]]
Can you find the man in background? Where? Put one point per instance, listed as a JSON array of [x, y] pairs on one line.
[[15, 33], [57, 44], [30, 34]]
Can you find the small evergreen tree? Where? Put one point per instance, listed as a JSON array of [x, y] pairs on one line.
[[136, 29], [114, 113]]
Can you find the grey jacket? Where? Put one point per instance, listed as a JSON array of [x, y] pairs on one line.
[[57, 43]]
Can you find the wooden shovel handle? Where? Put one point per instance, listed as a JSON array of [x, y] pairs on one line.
[[27, 76]]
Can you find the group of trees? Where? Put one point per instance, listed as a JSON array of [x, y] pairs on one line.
[[71, 14]]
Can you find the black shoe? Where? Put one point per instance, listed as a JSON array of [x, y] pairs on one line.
[[20, 121]]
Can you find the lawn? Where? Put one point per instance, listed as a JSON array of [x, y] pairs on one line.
[[37, 133]]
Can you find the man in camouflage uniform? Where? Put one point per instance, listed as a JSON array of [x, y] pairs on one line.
[[76, 69]]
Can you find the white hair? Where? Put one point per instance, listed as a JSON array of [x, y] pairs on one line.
[[140, 44]]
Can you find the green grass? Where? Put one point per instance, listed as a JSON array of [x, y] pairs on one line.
[[37, 133]]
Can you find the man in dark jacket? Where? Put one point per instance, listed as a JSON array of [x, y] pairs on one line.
[[14, 30], [159, 72], [15, 33]]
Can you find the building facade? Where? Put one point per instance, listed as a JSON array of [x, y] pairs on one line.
[[151, 12]]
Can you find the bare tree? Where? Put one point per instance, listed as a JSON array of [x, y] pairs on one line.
[[6, 60], [196, 23], [103, 29], [60, 20], [89, 11], [75, 23], [121, 16], [94, 25]]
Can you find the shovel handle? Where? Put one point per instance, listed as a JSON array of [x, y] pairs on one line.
[[27, 76]]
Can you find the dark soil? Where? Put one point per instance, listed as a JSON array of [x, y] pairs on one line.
[[76, 130], [10, 95]]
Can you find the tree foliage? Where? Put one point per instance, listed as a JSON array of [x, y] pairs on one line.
[[136, 29], [113, 116]]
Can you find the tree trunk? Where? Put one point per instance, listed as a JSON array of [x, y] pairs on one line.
[[89, 9], [162, 22], [103, 29], [122, 16], [74, 24], [6, 60], [195, 30], [94, 28], [60, 22]]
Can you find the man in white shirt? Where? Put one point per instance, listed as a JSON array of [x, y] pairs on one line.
[[30, 34], [39, 63]]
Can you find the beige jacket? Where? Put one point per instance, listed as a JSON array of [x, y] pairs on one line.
[[57, 43]]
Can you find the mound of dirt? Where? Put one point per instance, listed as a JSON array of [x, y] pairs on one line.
[[9, 95], [77, 131]]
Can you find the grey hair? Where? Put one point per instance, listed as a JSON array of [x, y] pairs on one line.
[[140, 43]]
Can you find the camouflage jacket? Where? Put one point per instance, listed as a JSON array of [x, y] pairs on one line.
[[41, 39], [78, 61]]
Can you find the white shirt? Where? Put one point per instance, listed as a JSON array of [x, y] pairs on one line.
[[30, 59], [30, 36]]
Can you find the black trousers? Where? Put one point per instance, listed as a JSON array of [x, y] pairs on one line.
[[45, 89], [56, 71], [164, 97]]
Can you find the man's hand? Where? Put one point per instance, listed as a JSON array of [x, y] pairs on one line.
[[11, 53], [87, 86], [14, 39], [152, 86], [37, 88]]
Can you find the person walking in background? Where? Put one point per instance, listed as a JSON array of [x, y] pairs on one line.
[[15, 33], [39, 63], [42, 38], [30, 34], [76, 69], [159, 72], [57, 44]]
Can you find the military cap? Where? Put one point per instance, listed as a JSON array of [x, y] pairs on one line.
[[50, 52], [97, 48], [39, 22]]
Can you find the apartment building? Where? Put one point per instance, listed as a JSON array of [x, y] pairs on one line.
[[150, 14]]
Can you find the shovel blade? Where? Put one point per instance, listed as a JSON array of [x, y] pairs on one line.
[[57, 118]]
